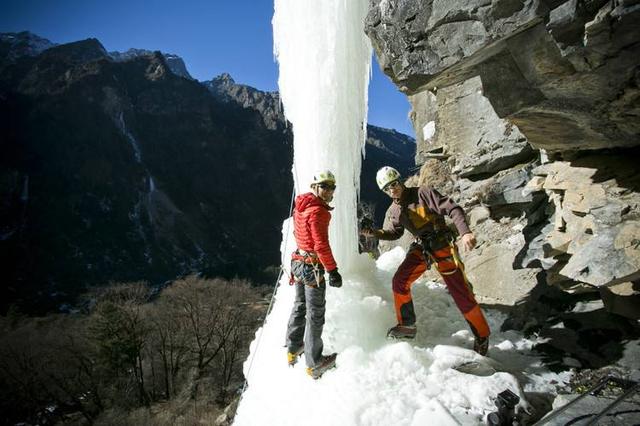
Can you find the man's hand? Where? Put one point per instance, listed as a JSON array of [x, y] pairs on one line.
[[468, 241], [369, 232], [335, 279]]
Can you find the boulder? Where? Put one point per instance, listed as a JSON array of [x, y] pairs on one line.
[[596, 218], [503, 193], [478, 215], [622, 299], [610, 256], [490, 266], [437, 174], [491, 83], [490, 270]]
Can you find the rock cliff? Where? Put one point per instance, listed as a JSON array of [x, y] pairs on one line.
[[564, 72], [533, 109]]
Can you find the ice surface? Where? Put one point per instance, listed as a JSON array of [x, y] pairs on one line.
[[382, 382], [429, 130]]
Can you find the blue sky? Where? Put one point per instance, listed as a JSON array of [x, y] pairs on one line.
[[212, 37]]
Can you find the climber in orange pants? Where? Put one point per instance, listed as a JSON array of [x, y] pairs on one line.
[[452, 272], [421, 211]]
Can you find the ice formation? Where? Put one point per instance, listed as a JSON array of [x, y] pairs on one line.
[[325, 58]]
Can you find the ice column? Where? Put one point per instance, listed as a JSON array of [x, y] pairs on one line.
[[325, 59]]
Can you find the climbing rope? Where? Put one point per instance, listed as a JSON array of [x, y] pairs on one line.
[[275, 287]]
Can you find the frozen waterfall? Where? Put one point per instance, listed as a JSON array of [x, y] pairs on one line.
[[325, 60]]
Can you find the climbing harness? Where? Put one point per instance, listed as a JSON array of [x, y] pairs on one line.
[[299, 261], [436, 243], [449, 254], [308, 257]]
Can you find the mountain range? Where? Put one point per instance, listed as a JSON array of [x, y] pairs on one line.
[[122, 167]]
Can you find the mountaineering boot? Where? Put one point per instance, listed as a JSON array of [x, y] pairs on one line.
[[292, 357], [481, 345], [327, 362], [402, 332]]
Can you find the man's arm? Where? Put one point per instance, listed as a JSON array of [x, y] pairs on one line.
[[319, 225], [393, 233], [388, 234], [445, 206]]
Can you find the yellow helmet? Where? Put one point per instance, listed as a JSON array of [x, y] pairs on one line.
[[321, 176], [386, 175]]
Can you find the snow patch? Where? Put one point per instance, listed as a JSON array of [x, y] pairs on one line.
[[429, 131], [590, 306], [382, 382]]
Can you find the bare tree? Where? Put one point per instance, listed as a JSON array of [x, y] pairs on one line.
[[129, 351], [200, 309], [47, 370], [21, 367], [245, 315], [119, 330], [212, 314], [169, 343], [73, 371]]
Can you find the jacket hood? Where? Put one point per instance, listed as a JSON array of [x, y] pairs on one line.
[[309, 199]]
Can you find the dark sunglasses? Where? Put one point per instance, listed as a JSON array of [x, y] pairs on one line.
[[393, 184], [330, 186]]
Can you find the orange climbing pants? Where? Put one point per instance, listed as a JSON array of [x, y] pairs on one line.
[[452, 272]]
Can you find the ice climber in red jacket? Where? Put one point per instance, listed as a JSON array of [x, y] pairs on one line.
[[311, 216]]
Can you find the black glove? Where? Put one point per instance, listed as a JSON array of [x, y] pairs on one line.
[[366, 224], [335, 279]]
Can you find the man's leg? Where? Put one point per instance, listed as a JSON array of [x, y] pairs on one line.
[[461, 291], [296, 326], [315, 297], [411, 268]]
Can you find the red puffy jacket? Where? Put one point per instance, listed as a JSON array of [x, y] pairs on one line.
[[311, 228]]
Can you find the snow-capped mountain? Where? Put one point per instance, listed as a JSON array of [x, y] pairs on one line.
[[174, 62]]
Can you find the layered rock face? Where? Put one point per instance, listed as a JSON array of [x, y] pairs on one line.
[[532, 108], [566, 73]]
